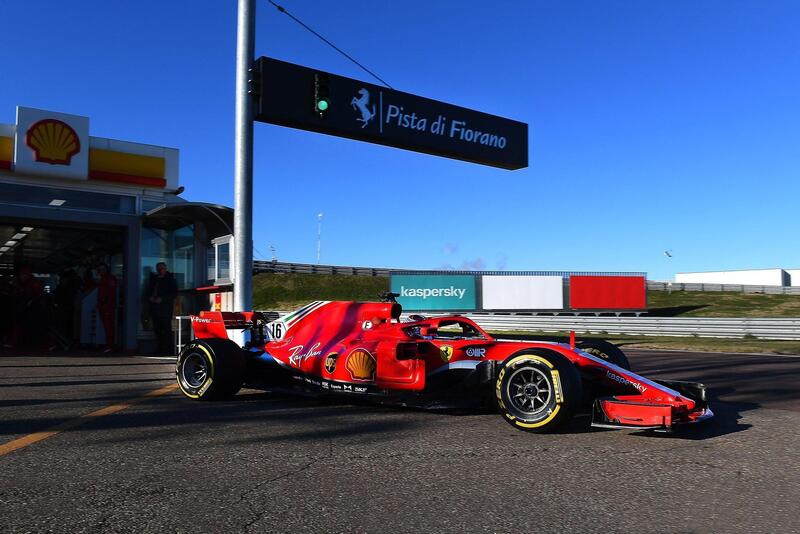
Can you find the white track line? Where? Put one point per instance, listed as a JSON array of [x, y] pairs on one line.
[[633, 349]]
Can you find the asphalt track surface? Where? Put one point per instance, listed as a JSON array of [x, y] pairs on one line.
[[268, 463]]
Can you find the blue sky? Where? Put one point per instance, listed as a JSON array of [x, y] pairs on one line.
[[653, 126]]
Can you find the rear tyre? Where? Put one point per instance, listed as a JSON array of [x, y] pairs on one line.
[[538, 390], [606, 351], [210, 369]]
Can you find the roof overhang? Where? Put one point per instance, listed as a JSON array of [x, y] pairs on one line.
[[217, 219]]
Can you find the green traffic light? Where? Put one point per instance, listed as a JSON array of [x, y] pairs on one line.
[[322, 105]]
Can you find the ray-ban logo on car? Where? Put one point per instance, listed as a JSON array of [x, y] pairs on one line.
[[360, 103]]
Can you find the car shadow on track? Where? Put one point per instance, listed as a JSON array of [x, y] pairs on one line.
[[726, 421], [249, 417]]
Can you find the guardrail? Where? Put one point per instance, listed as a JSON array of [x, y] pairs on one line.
[[739, 288], [737, 327], [262, 266]]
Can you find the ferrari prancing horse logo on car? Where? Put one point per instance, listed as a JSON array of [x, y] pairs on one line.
[[446, 352]]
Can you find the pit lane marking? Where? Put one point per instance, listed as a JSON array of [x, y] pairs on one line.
[[30, 439]]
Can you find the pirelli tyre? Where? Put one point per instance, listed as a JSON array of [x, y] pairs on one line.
[[210, 369], [538, 390], [606, 351]]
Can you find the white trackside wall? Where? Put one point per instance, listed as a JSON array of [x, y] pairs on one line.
[[754, 277]]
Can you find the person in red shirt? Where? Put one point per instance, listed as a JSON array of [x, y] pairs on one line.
[[107, 303]]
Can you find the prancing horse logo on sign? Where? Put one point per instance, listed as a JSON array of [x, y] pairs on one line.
[[360, 103]]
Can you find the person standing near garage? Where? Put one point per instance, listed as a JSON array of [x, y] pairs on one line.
[[107, 303], [162, 291]]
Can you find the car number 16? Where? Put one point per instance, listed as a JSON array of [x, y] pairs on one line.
[[276, 330]]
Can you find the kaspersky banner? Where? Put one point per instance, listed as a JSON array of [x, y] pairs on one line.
[[422, 292]]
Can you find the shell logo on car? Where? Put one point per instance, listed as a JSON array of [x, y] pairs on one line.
[[361, 365], [53, 141]]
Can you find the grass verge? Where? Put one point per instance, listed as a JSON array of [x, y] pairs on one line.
[[721, 304], [291, 291]]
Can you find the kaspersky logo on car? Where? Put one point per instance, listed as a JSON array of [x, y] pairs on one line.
[[625, 382]]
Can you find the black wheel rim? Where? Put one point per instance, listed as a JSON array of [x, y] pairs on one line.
[[529, 390], [194, 370]]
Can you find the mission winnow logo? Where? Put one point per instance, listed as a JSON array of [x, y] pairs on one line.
[[424, 293]]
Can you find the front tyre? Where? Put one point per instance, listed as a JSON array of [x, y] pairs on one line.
[[606, 351], [210, 369], [538, 390]]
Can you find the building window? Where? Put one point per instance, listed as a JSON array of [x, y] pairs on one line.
[[211, 264], [148, 205], [221, 273], [173, 247], [224, 261], [67, 199]]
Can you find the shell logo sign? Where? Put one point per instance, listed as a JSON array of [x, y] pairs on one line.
[[48, 144], [53, 141], [51, 144]]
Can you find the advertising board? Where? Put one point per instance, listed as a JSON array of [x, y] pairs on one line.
[[422, 292], [608, 292], [523, 292]]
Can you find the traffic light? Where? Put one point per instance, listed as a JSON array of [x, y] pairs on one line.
[[321, 94]]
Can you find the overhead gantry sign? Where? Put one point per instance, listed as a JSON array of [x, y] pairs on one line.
[[300, 97]]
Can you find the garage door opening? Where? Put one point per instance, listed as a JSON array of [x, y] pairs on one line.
[[61, 286]]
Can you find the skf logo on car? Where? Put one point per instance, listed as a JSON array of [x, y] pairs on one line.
[[625, 381], [361, 365], [476, 352], [446, 353], [53, 142], [451, 291]]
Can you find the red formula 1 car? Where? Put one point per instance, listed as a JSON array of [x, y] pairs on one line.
[[353, 348]]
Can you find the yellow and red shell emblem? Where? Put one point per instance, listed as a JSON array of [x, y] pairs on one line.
[[361, 365], [53, 141]]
